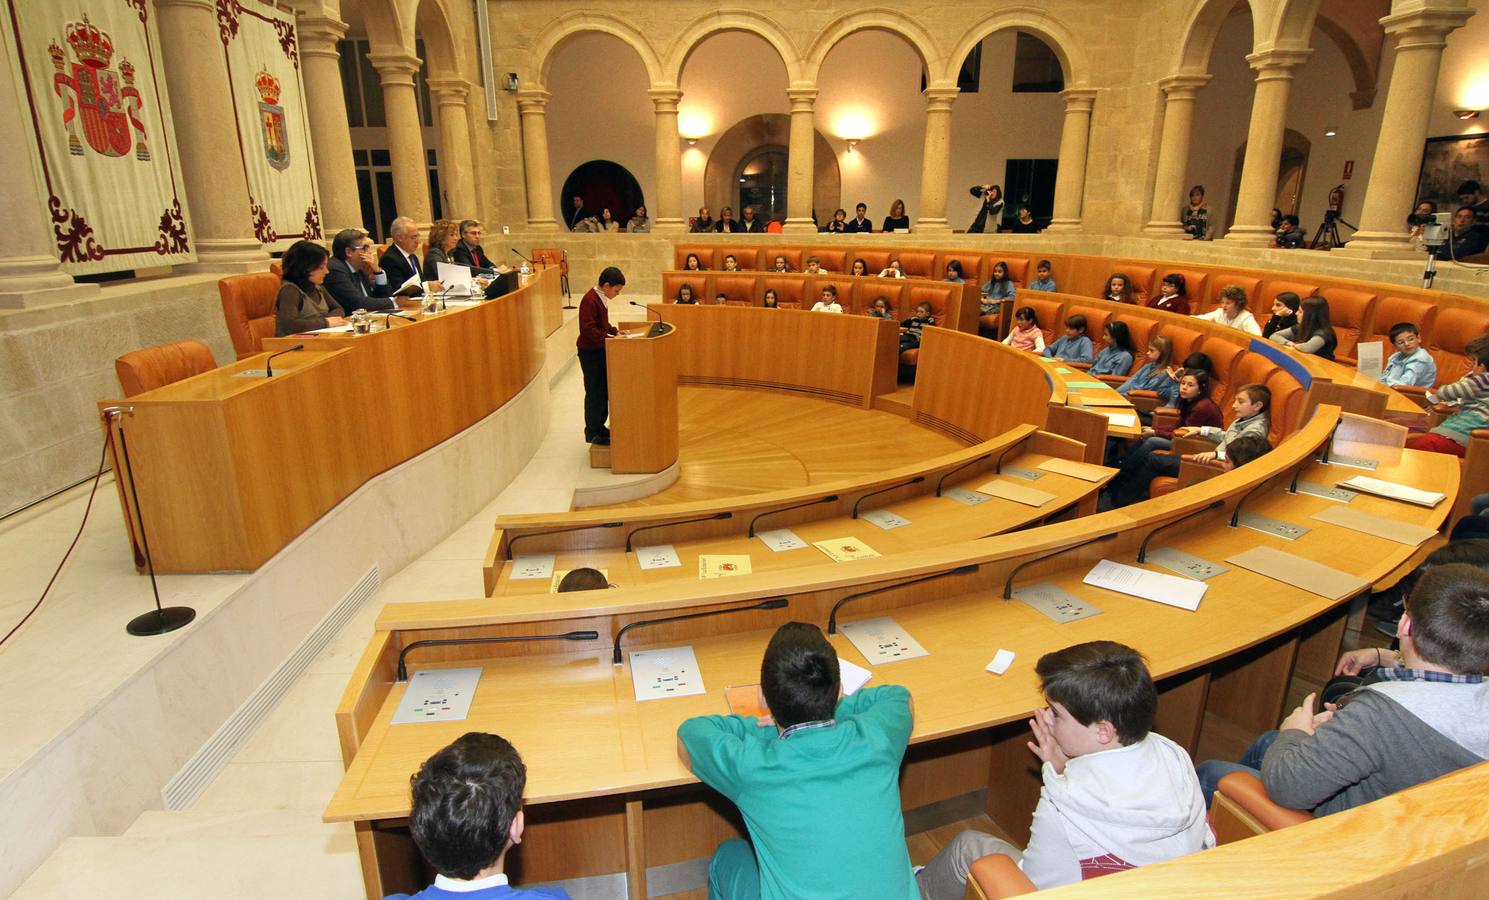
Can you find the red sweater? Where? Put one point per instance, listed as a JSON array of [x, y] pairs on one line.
[[594, 322], [1203, 412]]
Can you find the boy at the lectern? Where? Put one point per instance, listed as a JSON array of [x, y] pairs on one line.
[[594, 327], [817, 781], [467, 813]]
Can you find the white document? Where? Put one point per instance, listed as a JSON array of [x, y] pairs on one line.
[[885, 519], [780, 539], [1001, 661], [437, 695], [853, 676], [660, 556], [962, 495], [672, 672], [539, 565], [454, 277], [1121, 420], [882, 640], [1393, 491], [1155, 586], [1371, 359]]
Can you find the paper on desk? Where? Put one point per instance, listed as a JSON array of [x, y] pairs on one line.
[[558, 577], [1105, 398], [1015, 492], [1370, 359], [437, 695], [723, 565], [846, 549], [1076, 469], [852, 675], [1315, 578], [658, 556], [1121, 420], [1086, 384], [882, 640], [1392, 491], [780, 539], [1062, 370], [453, 276], [538, 565], [1155, 586], [673, 672], [1378, 526], [885, 519]]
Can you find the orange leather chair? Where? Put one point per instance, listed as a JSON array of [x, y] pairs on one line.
[[812, 292], [877, 260], [921, 265], [1196, 285], [788, 292], [1184, 340], [738, 290], [1050, 314], [1242, 809], [1390, 310], [145, 370], [248, 307], [892, 290], [1141, 330], [1018, 269], [793, 258], [834, 261], [701, 282], [1227, 358], [974, 269], [747, 257], [1349, 310], [704, 252], [940, 300], [550, 256], [277, 268], [1095, 328], [1260, 306], [1144, 277], [1451, 332], [1288, 398], [1273, 286]]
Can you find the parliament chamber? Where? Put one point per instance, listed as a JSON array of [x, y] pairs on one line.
[[208, 685]]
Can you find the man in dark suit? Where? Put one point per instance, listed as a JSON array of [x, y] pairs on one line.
[[577, 212], [860, 223], [353, 279], [469, 251], [402, 261], [748, 224]]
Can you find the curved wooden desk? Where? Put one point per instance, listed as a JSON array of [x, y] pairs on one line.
[[604, 772], [230, 469]]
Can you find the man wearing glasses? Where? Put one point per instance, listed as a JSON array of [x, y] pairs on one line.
[[469, 251], [354, 279]]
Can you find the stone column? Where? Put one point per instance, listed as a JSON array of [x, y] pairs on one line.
[[1169, 193], [331, 138], [207, 139], [456, 174], [800, 178], [1421, 36], [1070, 176], [30, 274], [1258, 191], [533, 105], [666, 213], [396, 71], [935, 162]]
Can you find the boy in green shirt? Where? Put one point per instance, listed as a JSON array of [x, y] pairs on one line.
[[817, 782]]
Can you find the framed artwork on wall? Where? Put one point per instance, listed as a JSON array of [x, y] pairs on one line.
[[1448, 162]]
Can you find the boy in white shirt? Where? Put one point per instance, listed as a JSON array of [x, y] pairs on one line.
[[1411, 363], [829, 302], [1232, 311], [1116, 795]]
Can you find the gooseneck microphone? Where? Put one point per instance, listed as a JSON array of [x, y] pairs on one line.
[[268, 363], [393, 315], [523, 258], [649, 310]]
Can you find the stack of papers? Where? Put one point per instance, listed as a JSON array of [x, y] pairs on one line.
[[1156, 586], [1393, 491], [846, 549]]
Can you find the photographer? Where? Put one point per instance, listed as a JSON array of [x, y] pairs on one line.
[[991, 211], [1468, 237], [1418, 221]]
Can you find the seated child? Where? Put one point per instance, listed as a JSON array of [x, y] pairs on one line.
[[731, 264], [1422, 718], [720, 299], [1232, 311], [1196, 409], [1115, 355], [1411, 364], [996, 289], [1250, 407], [772, 300], [911, 327], [879, 309], [817, 783], [781, 265], [1073, 346], [955, 273], [1042, 280], [1154, 375], [893, 270], [1471, 393], [467, 813], [1025, 333], [829, 302], [814, 266], [1116, 794], [685, 295]]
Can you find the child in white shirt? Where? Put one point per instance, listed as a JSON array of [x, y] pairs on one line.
[[1232, 311]]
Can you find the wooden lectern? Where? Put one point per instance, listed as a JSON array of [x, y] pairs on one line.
[[642, 367]]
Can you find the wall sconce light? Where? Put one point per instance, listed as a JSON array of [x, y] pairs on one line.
[[692, 141], [510, 82], [853, 142], [1466, 114], [1329, 132]]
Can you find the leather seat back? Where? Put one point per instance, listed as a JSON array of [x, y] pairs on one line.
[[248, 307], [153, 367]]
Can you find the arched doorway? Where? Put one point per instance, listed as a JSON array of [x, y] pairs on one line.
[[762, 182], [755, 138], [603, 185], [1290, 171]]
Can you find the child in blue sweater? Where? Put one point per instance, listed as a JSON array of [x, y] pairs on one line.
[[1074, 346], [1154, 376]]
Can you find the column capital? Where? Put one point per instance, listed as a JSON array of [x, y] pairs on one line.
[[665, 98], [319, 34], [1183, 87], [1278, 63], [1425, 27], [395, 68], [449, 91], [802, 98], [533, 101], [1079, 99], [940, 97]]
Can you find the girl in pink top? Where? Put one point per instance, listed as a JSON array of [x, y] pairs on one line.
[[1025, 334]]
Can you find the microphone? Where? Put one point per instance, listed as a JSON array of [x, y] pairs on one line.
[[523, 258], [388, 323], [268, 363], [649, 310]]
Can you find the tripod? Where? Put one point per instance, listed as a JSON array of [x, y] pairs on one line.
[[1327, 235]]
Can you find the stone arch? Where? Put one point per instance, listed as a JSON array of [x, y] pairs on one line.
[[441, 50], [895, 23], [385, 29], [734, 20], [1294, 24], [566, 27], [1023, 18], [1364, 70], [1202, 30], [767, 129]]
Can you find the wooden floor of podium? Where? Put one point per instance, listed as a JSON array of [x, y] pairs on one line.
[[734, 442]]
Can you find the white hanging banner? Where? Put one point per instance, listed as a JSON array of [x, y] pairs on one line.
[[89, 73], [261, 51]]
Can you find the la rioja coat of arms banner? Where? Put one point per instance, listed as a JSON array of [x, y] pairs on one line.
[[89, 71], [261, 51]]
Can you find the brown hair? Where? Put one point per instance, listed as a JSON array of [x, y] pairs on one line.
[[438, 233]]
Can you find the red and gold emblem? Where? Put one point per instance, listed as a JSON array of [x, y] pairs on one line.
[[272, 122], [103, 101]]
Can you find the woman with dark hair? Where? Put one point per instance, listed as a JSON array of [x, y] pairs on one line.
[[1115, 355], [303, 304], [1196, 216], [1172, 296], [1284, 313], [1313, 333], [839, 222], [859, 268], [991, 211], [1119, 289], [896, 218]]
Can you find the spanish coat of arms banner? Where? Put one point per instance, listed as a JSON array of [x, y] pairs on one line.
[[261, 51], [90, 73]]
